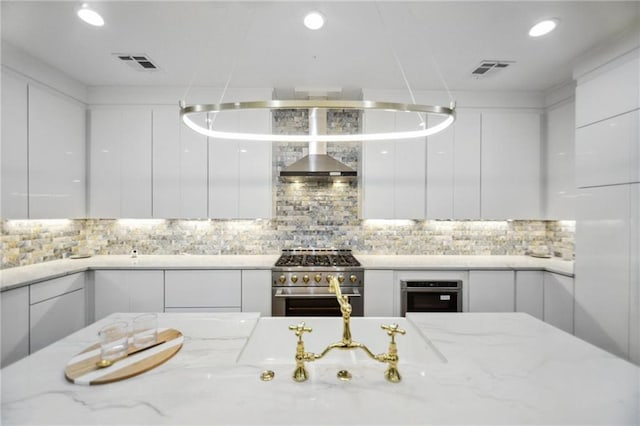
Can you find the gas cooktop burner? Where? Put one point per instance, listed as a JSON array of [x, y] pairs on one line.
[[317, 257]]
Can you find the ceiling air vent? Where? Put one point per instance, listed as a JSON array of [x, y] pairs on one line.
[[490, 67], [139, 62]]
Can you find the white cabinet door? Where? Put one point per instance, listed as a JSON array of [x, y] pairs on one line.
[[104, 163], [529, 292], [203, 289], [602, 267], [634, 291], [378, 293], [256, 291], [491, 291], [14, 156], [393, 172], [558, 301], [128, 291], [611, 92], [453, 170], [511, 185], [608, 152], [240, 171], [135, 150], [57, 178], [378, 180], [560, 190], [15, 325], [179, 167], [55, 318], [120, 163]]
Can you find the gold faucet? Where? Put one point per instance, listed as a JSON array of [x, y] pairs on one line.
[[391, 357]]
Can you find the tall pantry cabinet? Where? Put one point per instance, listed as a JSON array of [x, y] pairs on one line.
[[607, 271]]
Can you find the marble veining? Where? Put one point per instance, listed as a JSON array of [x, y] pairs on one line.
[[503, 368]]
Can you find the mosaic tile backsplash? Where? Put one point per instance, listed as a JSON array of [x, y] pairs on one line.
[[29, 242], [306, 215]]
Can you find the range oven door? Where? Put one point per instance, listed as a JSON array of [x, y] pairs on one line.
[[313, 302]]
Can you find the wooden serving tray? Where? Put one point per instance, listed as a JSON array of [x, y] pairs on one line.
[[83, 368]]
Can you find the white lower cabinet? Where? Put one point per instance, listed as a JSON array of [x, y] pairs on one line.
[[256, 291], [378, 293], [128, 291], [491, 291], [58, 308], [558, 301], [530, 292], [15, 325], [203, 291]]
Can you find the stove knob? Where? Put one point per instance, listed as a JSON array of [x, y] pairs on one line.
[[282, 279], [341, 278], [305, 278], [294, 278], [353, 278], [328, 278], [318, 277]]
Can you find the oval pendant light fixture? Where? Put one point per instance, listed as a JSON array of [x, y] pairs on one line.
[[201, 117]]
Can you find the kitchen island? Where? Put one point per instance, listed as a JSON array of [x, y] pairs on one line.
[[498, 368]]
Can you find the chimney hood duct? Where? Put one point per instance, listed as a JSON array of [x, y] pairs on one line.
[[317, 165]]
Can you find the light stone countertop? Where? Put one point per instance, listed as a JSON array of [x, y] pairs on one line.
[[25, 275], [501, 368]]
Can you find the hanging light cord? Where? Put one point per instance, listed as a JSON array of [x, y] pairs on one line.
[[436, 66], [397, 59]]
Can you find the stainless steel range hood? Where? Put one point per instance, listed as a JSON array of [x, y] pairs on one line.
[[317, 165]]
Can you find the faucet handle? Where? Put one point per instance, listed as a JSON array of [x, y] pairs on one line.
[[300, 329], [392, 330]]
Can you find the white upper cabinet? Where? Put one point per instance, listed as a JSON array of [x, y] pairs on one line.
[[560, 187], [179, 167], [453, 170], [608, 91], [14, 148], [608, 152], [120, 163], [57, 157], [393, 172], [511, 184], [240, 172]]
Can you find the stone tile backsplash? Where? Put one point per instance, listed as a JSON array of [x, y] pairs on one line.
[[29, 242], [306, 215]]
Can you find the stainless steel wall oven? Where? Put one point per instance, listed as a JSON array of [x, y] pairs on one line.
[[300, 282], [430, 296]]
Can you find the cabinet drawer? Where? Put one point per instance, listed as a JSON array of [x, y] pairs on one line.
[[56, 318], [607, 152], [200, 289], [56, 287]]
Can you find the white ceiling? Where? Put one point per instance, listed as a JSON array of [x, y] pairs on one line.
[[198, 42]]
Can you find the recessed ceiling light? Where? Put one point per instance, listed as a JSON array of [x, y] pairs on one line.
[[90, 16], [543, 27], [314, 20]]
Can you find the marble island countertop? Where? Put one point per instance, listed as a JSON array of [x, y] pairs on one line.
[[502, 368], [24, 275]]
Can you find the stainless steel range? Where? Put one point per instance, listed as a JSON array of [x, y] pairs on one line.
[[300, 282]]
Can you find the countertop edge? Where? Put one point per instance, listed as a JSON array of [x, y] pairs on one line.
[[26, 275]]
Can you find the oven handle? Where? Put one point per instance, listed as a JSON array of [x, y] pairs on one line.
[[349, 293]]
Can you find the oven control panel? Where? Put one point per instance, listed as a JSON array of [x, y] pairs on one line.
[[316, 278]]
